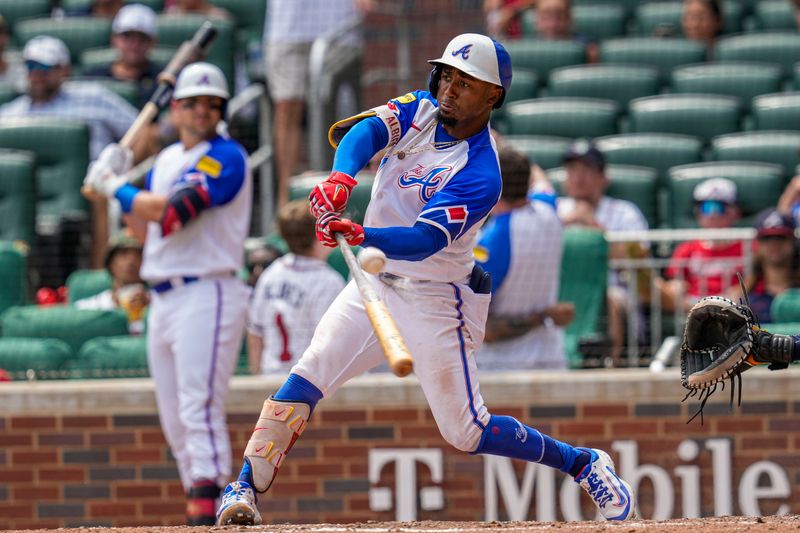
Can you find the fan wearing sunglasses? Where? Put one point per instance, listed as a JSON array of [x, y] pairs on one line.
[[703, 267]]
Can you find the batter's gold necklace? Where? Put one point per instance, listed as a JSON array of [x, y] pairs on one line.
[[423, 145]]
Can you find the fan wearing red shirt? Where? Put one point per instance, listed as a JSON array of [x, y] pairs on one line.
[[702, 268]]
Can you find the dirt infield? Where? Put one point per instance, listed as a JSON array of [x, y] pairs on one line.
[[725, 524]]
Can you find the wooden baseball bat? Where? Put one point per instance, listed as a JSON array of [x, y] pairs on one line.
[[188, 52], [394, 347]]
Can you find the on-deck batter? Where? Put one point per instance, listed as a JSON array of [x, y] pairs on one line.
[[196, 207], [437, 182]]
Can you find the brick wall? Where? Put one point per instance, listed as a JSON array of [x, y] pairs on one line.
[[78, 453]]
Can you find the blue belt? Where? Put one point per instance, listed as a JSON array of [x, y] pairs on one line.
[[170, 284]]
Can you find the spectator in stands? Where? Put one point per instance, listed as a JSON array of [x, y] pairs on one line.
[[258, 258], [789, 201], [702, 267], [796, 5], [106, 9], [128, 292], [12, 69], [291, 295], [521, 248], [133, 35], [586, 204], [48, 63], [776, 262], [289, 30], [504, 17], [554, 22], [197, 7], [702, 20]]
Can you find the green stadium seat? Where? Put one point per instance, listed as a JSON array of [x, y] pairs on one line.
[[62, 155], [759, 186], [101, 57], [174, 29], [73, 326], [127, 90], [620, 83], [743, 80], [780, 111], [702, 115], [633, 183], [797, 77], [782, 48], [47, 357], [545, 151], [584, 273], [13, 275], [774, 15], [109, 357], [563, 117], [524, 87], [781, 147], [85, 283], [597, 22], [7, 93], [663, 54], [357, 204], [17, 10], [656, 150], [786, 308], [155, 5], [783, 328], [78, 33], [75, 5], [17, 196], [664, 18], [542, 55], [248, 15], [629, 6]]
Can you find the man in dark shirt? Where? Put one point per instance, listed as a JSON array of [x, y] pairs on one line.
[[134, 34]]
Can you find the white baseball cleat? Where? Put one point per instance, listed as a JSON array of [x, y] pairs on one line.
[[238, 506], [609, 492]]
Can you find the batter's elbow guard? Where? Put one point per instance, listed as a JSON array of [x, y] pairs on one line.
[[183, 206]]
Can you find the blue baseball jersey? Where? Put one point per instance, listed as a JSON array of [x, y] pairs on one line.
[[428, 177]]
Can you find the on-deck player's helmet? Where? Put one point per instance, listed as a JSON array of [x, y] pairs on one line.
[[477, 55], [201, 79]]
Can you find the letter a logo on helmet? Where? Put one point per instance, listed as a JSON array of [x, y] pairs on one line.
[[477, 55], [463, 51]]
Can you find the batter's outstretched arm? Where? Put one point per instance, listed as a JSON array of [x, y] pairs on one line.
[[359, 145]]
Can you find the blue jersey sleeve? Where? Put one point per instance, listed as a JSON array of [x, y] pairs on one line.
[[148, 179], [493, 252], [357, 147], [220, 171], [467, 198]]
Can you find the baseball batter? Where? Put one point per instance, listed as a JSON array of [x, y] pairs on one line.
[[196, 207], [438, 181]]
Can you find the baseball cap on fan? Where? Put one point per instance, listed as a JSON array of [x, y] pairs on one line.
[[770, 222], [587, 152], [135, 17], [716, 190], [479, 56], [46, 50]]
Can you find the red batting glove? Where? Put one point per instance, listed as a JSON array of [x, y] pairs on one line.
[[324, 234], [353, 233], [331, 195]]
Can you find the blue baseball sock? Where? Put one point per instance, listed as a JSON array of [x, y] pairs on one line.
[[508, 437], [299, 389], [294, 389]]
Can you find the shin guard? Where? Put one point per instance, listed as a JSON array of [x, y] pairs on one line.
[[278, 427]]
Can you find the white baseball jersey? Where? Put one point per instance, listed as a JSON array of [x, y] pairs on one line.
[[198, 307], [212, 244], [451, 185], [289, 299], [522, 249]]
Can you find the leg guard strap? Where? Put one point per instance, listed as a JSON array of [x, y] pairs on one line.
[[278, 427]]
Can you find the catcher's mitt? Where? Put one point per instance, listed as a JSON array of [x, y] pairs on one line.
[[722, 339]]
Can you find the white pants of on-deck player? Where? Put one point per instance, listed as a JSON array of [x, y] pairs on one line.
[[442, 324], [194, 337]]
